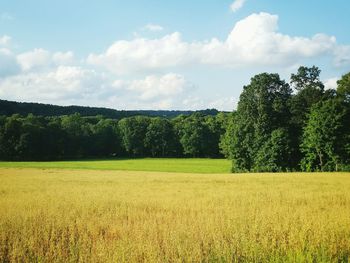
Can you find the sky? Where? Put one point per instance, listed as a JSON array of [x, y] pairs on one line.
[[156, 54]]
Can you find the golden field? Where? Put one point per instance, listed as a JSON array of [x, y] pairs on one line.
[[52, 215]]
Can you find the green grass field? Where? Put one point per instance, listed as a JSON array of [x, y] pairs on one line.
[[63, 215], [148, 164]]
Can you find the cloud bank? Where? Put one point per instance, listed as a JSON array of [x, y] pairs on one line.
[[253, 41], [143, 73]]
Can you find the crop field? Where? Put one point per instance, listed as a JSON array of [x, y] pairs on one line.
[[62, 215]]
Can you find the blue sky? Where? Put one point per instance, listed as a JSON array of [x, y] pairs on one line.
[[163, 54]]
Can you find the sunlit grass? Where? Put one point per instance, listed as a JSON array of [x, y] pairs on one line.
[[191, 165], [119, 216]]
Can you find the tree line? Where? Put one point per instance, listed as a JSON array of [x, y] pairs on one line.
[[278, 126], [300, 125], [9, 108], [75, 137]]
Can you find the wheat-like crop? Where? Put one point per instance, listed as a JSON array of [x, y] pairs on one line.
[[110, 216]]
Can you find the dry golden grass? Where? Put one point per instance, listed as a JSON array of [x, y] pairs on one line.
[[110, 216]]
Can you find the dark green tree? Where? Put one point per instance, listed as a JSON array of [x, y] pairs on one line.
[[160, 138], [105, 138], [226, 139], [9, 138], [274, 155], [215, 130], [133, 132], [33, 133], [263, 108], [79, 136], [309, 90], [326, 137], [343, 90], [193, 134]]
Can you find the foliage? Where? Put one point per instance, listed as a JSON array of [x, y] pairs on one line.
[[343, 89], [9, 108], [133, 131], [262, 109], [274, 155], [159, 138], [326, 134]]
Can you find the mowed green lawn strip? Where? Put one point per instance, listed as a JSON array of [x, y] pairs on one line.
[[208, 166]]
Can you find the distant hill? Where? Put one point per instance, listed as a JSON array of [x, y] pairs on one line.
[[9, 108]]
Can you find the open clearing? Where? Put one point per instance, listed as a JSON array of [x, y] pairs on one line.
[[183, 165], [53, 215]]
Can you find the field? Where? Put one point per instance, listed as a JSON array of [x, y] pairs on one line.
[[207, 166], [62, 215]]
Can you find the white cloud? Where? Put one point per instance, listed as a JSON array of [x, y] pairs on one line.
[[153, 27], [140, 54], [5, 40], [63, 58], [152, 87], [67, 85], [33, 59], [331, 83], [60, 85], [154, 91], [41, 58], [254, 41], [236, 5]]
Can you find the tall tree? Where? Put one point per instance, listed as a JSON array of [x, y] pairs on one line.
[[226, 139], [9, 138], [160, 138], [194, 135], [33, 133], [326, 136], [133, 132], [343, 90], [263, 107], [106, 139], [79, 134], [275, 154], [309, 90]]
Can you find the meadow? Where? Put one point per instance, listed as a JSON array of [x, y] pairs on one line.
[[62, 215], [183, 165]]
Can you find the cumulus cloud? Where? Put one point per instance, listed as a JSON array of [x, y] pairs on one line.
[[76, 85], [236, 5], [153, 27], [60, 85], [140, 54], [331, 83], [152, 87], [41, 58], [255, 40]]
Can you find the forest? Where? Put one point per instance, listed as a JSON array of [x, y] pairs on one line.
[[9, 108], [277, 127]]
